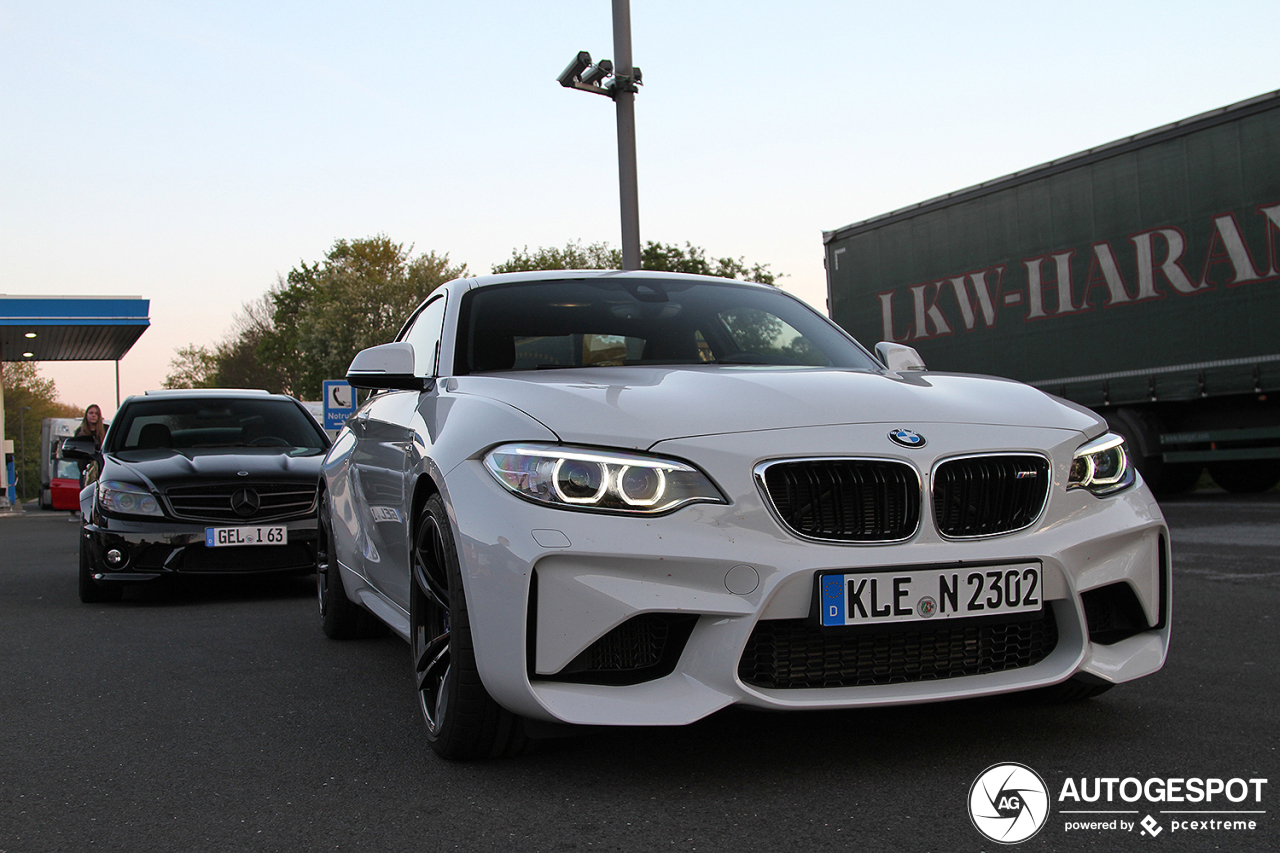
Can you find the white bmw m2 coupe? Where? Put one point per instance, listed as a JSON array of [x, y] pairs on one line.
[[637, 498]]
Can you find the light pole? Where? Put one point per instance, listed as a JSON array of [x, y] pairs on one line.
[[22, 451], [583, 75]]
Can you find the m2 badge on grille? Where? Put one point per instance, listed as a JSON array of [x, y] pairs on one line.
[[913, 595]]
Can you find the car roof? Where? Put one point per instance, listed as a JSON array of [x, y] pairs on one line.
[[623, 275], [208, 393]]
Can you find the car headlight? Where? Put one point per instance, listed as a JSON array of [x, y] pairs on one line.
[[127, 499], [602, 480], [1102, 466]]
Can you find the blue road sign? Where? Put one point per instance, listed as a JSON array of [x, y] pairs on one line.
[[339, 403]]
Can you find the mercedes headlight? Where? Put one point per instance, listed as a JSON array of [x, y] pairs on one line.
[[611, 481], [127, 499], [1102, 466]]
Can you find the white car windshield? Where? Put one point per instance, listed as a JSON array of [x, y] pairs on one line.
[[616, 322]]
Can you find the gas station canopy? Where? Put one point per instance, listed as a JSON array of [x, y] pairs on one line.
[[66, 328], [70, 328]]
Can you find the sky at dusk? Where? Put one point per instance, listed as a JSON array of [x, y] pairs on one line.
[[193, 153]]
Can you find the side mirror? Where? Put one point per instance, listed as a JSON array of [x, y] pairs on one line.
[[386, 367], [899, 357], [81, 447]]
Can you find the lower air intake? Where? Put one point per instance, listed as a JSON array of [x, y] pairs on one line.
[[795, 653], [643, 648]]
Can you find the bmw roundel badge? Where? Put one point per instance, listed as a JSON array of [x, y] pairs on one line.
[[907, 438]]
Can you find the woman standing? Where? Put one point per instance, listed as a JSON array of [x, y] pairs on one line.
[[93, 425]]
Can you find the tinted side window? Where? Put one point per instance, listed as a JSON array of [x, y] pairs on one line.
[[424, 334]]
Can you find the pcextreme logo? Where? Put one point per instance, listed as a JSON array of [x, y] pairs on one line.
[[1009, 803]]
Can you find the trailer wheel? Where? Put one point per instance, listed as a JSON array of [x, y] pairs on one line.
[[1141, 431], [1178, 478], [1140, 439], [1251, 477]]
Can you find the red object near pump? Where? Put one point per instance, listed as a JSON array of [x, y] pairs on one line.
[[64, 486]]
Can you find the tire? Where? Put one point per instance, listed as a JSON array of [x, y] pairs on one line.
[[340, 617], [1177, 479], [1246, 478], [463, 722], [1141, 431], [92, 591]]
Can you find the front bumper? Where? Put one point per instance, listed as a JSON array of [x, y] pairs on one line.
[[151, 549], [547, 586]]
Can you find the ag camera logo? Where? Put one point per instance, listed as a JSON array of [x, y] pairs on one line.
[[1008, 803]]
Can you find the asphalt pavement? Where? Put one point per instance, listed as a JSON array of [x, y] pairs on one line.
[[213, 715]]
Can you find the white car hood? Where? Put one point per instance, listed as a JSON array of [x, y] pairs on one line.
[[639, 406]]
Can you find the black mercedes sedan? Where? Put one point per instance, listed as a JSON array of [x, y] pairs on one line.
[[207, 481]]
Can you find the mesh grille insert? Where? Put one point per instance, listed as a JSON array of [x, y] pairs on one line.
[[795, 653]]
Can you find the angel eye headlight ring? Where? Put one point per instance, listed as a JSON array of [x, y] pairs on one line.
[[599, 480], [1102, 466], [641, 487], [579, 481]]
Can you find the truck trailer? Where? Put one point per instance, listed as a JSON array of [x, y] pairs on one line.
[[1140, 279], [59, 478]]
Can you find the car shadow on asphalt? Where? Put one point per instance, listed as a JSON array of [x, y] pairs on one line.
[[752, 740], [180, 590]]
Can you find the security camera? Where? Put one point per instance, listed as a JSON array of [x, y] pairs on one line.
[[569, 76], [596, 73]]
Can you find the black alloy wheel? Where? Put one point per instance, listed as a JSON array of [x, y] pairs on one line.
[[430, 606], [324, 548], [463, 721]]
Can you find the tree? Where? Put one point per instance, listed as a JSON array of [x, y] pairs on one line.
[[312, 323], [239, 363], [23, 387], [574, 256], [192, 367], [693, 259], [358, 296], [655, 256], [234, 361]]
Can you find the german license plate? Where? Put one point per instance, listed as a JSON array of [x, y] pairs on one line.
[[223, 537], [914, 595]]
